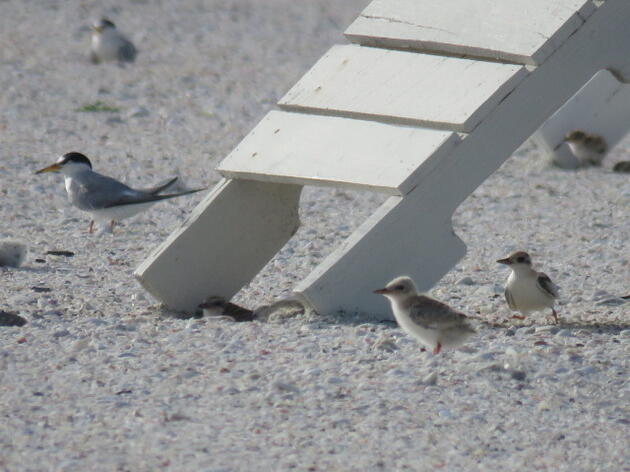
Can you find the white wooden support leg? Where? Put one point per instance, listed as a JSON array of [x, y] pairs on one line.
[[227, 240], [409, 235]]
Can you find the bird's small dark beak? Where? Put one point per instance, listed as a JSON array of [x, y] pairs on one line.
[[505, 261], [51, 168], [382, 291]]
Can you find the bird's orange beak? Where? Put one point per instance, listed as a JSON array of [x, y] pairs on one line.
[[505, 261], [51, 168], [382, 291]]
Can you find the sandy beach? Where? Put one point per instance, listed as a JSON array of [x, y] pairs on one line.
[[102, 378]]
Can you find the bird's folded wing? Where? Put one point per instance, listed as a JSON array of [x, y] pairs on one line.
[[545, 284], [433, 314], [93, 191], [159, 187], [510, 299]]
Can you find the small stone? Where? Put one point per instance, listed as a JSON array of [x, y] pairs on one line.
[[11, 319], [564, 333], [510, 332], [613, 301], [285, 387], [137, 112], [113, 120], [335, 380], [430, 379], [518, 375], [386, 344], [466, 281], [62, 333]]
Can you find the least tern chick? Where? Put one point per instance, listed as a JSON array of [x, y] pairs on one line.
[[590, 149], [216, 306], [12, 253], [432, 322], [110, 45], [527, 290], [106, 199]]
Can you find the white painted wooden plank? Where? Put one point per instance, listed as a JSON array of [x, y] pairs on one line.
[[521, 31], [345, 279], [327, 150], [422, 89], [228, 238]]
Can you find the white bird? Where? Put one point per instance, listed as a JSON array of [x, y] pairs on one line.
[[12, 253], [589, 149], [527, 290], [110, 45], [433, 323], [216, 306], [106, 199]]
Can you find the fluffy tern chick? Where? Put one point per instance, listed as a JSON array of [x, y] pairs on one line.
[[106, 199], [589, 149], [527, 290], [110, 45], [216, 306], [433, 323]]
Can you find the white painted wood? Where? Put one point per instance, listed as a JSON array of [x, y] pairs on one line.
[[520, 31], [317, 150], [404, 87], [405, 236], [346, 278], [227, 239], [601, 107]]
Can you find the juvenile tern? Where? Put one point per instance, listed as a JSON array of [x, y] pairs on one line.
[[217, 306], [589, 149], [105, 198], [110, 45], [433, 323], [527, 290]]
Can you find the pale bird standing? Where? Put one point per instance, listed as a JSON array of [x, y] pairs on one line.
[[106, 199], [216, 306], [527, 290], [110, 45], [589, 149], [433, 323]]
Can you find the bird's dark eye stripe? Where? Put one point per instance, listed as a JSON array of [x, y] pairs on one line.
[[520, 259], [399, 287]]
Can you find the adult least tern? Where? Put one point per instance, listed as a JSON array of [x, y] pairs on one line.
[[110, 45], [106, 199], [432, 322], [527, 290]]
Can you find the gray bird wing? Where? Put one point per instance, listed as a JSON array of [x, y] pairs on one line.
[[127, 51], [94, 191], [159, 187], [509, 299], [433, 314], [545, 284]]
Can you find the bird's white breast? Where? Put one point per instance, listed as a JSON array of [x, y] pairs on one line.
[[428, 337], [526, 293]]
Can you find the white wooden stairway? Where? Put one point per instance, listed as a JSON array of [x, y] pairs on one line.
[[430, 101]]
